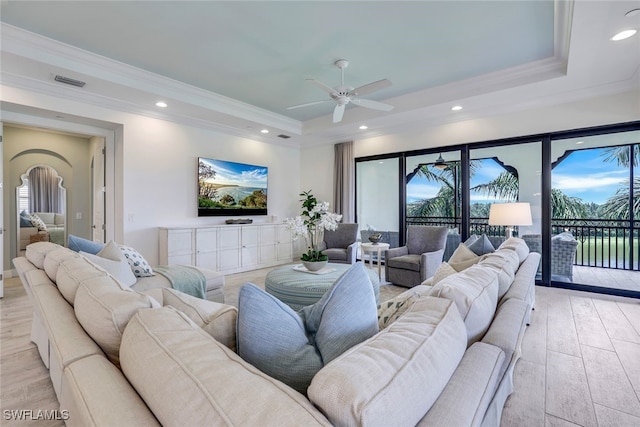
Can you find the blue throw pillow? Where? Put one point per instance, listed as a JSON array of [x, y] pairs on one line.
[[79, 244], [293, 346], [481, 246], [25, 221]]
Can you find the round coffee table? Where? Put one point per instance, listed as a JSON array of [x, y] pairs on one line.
[[298, 289]]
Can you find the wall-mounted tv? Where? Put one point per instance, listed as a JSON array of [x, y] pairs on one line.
[[231, 189]]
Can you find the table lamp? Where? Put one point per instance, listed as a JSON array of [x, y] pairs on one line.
[[510, 215]]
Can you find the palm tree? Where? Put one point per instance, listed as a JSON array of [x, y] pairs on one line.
[[566, 207], [440, 205], [504, 187], [617, 206]]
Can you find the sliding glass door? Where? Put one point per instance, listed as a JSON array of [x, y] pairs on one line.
[[595, 210], [377, 195], [582, 187]]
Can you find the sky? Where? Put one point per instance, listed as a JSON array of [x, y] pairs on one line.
[[582, 174], [238, 173], [586, 175]]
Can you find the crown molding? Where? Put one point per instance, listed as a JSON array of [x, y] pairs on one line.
[[45, 50], [77, 95]]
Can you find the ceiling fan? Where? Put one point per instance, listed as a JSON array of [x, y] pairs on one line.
[[343, 95]]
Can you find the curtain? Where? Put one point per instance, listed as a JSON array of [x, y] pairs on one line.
[[44, 192], [344, 181]]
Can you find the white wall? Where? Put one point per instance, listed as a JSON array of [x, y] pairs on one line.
[[156, 168], [161, 169]]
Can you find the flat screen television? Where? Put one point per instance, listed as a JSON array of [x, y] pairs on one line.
[[231, 189]]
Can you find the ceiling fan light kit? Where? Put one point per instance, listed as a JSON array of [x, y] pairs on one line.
[[343, 94]]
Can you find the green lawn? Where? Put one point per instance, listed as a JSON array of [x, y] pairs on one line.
[[594, 249]]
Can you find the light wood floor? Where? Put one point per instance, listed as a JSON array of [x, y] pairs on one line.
[[580, 361]]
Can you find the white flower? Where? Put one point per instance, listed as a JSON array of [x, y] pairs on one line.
[[312, 223], [297, 227]]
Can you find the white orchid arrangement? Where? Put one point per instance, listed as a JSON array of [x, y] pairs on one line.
[[314, 220]]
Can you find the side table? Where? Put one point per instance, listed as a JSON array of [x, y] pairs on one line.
[[372, 248]]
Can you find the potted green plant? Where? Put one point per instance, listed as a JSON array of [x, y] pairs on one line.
[[315, 218]]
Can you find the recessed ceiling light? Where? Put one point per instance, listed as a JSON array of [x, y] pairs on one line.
[[456, 108], [363, 127], [579, 142], [161, 104], [623, 35], [264, 131]]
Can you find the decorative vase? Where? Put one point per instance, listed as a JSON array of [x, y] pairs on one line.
[[314, 265], [375, 238]]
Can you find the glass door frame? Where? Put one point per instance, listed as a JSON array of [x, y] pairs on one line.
[[546, 140]]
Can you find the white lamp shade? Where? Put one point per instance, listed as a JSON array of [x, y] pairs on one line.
[[510, 214]]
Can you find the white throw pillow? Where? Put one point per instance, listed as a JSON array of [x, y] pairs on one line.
[[463, 258], [111, 259]]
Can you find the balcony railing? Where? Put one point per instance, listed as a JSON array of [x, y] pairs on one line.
[[601, 243]]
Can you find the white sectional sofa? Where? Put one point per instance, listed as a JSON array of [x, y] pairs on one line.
[[159, 357]]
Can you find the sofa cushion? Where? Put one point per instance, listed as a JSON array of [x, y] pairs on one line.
[[292, 347], [53, 259], [78, 244], [139, 265], [518, 245], [188, 378], [393, 378], [103, 307], [475, 293], [95, 392], [505, 273], [481, 246], [36, 252], [218, 320], [507, 329], [510, 258], [405, 262], [71, 272], [471, 391], [112, 260]]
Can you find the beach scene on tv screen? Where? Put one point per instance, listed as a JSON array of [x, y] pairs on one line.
[[224, 185]]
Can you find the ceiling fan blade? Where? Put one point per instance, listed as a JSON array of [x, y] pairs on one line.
[[367, 103], [322, 86], [307, 104], [369, 88], [338, 112]]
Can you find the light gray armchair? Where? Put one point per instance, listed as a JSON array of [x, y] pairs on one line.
[[410, 265], [341, 245]]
